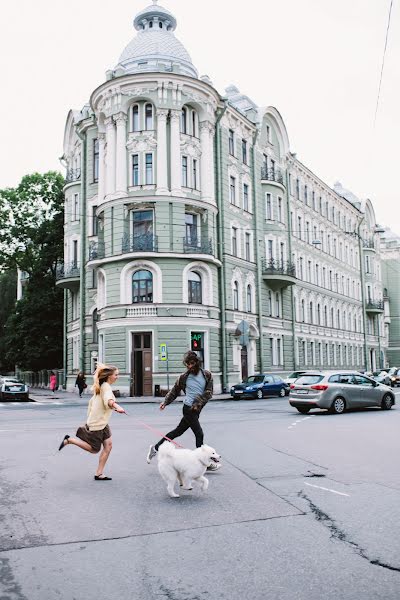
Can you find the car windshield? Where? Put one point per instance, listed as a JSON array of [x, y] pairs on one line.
[[255, 379], [12, 381], [295, 374], [309, 379]]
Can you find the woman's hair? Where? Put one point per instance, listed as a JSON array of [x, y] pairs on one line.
[[190, 357], [101, 374]]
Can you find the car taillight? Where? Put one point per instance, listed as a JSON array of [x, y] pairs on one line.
[[320, 387], [292, 386]]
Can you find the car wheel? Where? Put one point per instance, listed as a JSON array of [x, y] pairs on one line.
[[387, 402], [259, 394], [338, 406], [303, 409], [282, 392]]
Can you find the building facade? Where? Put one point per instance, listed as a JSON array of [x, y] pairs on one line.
[[390, 243], [190, 224]]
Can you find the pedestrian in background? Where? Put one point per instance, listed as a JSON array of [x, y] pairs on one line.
[[197, 383], [53, 381], [96, 432], [81, 383]]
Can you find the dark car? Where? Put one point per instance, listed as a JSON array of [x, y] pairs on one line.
[[258, 386]]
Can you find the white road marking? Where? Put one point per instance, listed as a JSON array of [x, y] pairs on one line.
[[326, 489]]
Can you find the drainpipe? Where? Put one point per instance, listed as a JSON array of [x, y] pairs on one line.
[[65, 346], [289, 229], [220, 242], [361, 251], [82, 288], [258, 258]]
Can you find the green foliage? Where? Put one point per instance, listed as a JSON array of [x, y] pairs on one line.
[[8, 294], [31, 239]]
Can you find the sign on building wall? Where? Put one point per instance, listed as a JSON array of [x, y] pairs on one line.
[[163, 352]]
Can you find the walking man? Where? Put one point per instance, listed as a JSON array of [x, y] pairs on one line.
[[197, 384]]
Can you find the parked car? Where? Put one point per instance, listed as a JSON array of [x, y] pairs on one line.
[[13, 389], [394, 374], [293, 376], [382, 377], [258, 386], [338, 390]]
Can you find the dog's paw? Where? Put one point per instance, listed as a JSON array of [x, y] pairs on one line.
[[174, 495], [188, 489]]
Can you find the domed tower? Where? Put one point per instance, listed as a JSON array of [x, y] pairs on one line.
[[140, 232]]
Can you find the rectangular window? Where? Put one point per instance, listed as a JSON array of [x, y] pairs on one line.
[[280, 211], [194, 174], [184, 171], [75, 253], [95, 160], [272, 162], [149, 117], [232, 190], [234, 241], [268, 207], [270, 251], [305, 194], [244, 152], [191, 229], [297, 189], [76, 207], [265, 163], [149, 169], [247, 246], [278, 350], [277, 305], [231, 142], [142, 230], [245, 197], [268, 129], [313, 201], [271, 350], [135, 170], [299, 226], [307, 232], [95, 222], [282, 254]]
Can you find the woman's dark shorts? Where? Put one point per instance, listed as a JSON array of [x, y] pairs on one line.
[[94, 438]]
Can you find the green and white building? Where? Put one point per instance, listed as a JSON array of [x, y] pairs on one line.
[[190, 224]]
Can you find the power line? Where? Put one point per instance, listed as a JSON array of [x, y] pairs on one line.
[[383, 62]]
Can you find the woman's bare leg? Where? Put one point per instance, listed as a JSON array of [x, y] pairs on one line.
[[80, 444], [105, 453]]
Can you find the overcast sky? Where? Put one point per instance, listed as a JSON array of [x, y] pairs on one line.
[[317, 61]]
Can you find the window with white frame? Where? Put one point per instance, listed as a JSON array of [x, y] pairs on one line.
[[184, 120], [75, 353], [247, 251], [149, 168], [232, 190], [244, 152], [246, 197], [234, 241], [277, 304], [268, 207], [194, 288], [135, 118], [249, 299], [192, 229], [272, 350], [278, 351], [135, 170], [231, 139], [148, 117], [195, 174], [75, 207], [270, 303], [184, 171], [95, 160], [280, 210], [235, 295]]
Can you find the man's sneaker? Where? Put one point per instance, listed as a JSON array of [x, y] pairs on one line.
[[151, 453], [214, 466]]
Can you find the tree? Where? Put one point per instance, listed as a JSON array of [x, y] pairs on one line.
[[8, 296], [31, 239]]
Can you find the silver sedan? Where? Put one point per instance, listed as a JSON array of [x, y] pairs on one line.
[[338, 390]]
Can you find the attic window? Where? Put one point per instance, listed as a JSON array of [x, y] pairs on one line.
[[160, 25], [151, 24]]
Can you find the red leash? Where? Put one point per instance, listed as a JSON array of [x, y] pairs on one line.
[[157, 431]]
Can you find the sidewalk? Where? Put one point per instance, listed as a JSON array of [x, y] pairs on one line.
[[40, 395]]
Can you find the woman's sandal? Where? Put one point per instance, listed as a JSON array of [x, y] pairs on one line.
[[66, 438], [102, 478]]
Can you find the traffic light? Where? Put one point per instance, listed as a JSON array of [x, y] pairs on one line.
[[197, 341]]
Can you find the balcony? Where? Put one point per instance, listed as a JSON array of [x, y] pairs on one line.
[[141, 311], [368, 244], [96, 250], [195, 246], [278, 274], [139, 243], [272, 175], [72, 175], [68, 275], [374, 306]]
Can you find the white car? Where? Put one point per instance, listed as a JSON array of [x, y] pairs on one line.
[[293, 376], [13, 389]]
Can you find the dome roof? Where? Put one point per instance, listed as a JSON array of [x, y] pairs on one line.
[[155, 47]]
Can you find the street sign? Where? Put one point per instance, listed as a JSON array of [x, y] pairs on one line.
[[242, 332], [163, 352]]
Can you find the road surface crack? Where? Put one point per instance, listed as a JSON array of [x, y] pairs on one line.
[[340, 535]]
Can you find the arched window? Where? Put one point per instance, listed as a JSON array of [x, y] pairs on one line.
[[95, 333], [184, 120], [148, 116], [249, 299], [303, 311], [235, 295], [142, 287], [325, 316], [151, 25], [338, 319], [311, 313], [194, 288], [160, 24], [194, 123], [135, 118]]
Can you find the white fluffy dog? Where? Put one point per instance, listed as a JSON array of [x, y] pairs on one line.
[[185, 466]]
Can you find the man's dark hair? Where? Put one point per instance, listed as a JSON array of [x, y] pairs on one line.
[[189, 357]]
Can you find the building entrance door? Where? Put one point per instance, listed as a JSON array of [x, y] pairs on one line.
[[244, 363], [141, 365]]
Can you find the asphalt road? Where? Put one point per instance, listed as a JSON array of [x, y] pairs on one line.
[[304, 508]]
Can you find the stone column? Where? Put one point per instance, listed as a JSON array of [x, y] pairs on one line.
[[207, 161], [110, 164], [102, 175], [162, 158], [176, 160], [121, 171]]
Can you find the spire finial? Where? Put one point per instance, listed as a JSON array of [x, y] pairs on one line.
[[155, 2]]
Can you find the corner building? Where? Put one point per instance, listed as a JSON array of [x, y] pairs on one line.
[[190, 224]]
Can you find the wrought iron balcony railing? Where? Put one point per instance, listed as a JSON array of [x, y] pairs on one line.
[[368, 244], [268, 174], [375, 304], [196, 246], [278, 267], [96, 250], [73, 175], [140, 243], [67, 270]]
